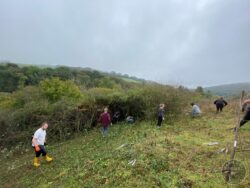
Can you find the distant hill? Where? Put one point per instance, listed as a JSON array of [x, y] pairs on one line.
[[229, 89]]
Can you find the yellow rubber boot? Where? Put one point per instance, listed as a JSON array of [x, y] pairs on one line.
[[36, 162], [48, 159]]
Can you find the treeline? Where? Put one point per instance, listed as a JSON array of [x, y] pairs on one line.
[[71, 101], [14, 77]]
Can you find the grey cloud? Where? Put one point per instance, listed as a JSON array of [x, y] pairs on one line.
[[196, 42]]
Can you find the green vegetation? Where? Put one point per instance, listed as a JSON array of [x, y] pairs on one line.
[[71, 100], [55, 89], [174, 156], [15, 76], [137, 155]]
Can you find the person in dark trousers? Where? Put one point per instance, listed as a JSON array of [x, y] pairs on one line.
[[220, 104], [246, 109], [38, 142], [105, 121], [160, 115]]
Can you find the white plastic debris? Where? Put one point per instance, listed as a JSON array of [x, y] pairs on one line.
[[223, 150], [235, 143], [212, 143], [121, 146], [132, 163]]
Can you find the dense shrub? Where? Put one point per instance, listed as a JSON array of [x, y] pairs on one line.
[[55, 89]]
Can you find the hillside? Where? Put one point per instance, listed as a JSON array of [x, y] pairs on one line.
[[177, 155], [72, 99], [229, 89], [138, 155]]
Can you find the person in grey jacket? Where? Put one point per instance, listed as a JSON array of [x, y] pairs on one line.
[[195, 110]]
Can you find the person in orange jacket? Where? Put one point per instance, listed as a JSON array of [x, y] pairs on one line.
[[38, 142]]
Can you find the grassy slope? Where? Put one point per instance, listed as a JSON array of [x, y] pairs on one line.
[[173, 156], [130, 80]]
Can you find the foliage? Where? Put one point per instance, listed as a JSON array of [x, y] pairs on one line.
[[199, 89], [6, 100], [72, 99], [55, 89], [168, 157], [10, 77]]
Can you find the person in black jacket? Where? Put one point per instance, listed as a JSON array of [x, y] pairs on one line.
[[220, 104], [246, 109]]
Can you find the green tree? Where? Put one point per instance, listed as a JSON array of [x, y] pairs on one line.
[[55, 89], [199, 89], [10, 75], [106, 82]]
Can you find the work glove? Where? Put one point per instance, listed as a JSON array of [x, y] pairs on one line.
[[37, 148]]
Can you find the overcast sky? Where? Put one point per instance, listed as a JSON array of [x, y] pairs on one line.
[[188, 42]]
